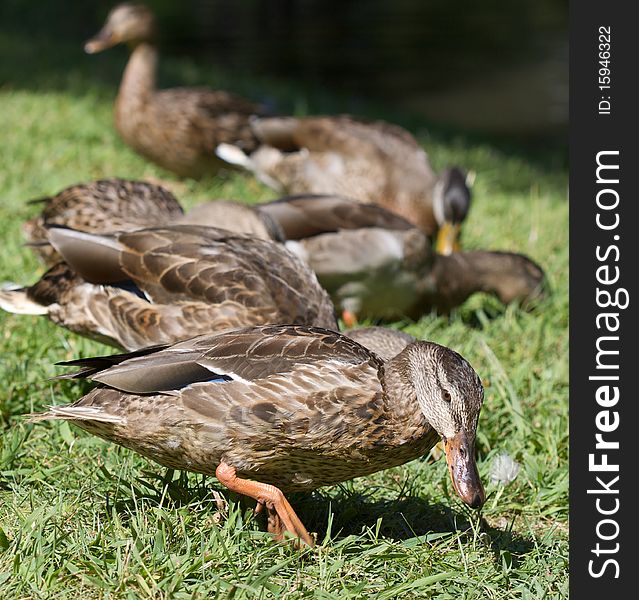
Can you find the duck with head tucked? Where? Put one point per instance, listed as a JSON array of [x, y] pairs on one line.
[[374, 162], [105, 206], [100, 206], [278, 409], [178, 128], [163, 284]]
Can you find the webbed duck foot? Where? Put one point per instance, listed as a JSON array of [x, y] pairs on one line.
[[281, 516]]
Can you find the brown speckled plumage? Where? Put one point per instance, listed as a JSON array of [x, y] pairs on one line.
[[115, 205], [382, 341], [101, 206], [179, 128], [295, 407], [235, 216], [164, 284]]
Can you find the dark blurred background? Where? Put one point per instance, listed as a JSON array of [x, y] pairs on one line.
[[493, 68]]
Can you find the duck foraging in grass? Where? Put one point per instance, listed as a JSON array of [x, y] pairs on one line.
[[278, 409], [375, 264]]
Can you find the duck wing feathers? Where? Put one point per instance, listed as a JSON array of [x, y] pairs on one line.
[[305, 215], [164, 284], [209, 117], [103, 206], [342, 134], [245, 355]]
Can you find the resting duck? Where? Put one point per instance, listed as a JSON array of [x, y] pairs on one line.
[[176, 128], [108, 205], [375, 264], [100, 206], [277, 409], [164, 284], [373, 162]]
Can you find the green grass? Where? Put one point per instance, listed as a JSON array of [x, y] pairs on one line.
[[85, 519]]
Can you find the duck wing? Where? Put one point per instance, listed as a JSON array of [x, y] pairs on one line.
[[342, 134], [256, 280], [307, 215], [245, 355]]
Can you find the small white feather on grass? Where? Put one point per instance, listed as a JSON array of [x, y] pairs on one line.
[[504, 469]]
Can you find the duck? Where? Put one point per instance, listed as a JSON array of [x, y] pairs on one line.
[[99, 206], [374, 263], [110, 205], [177, 128], [377, 265], [280, 408], [370, 161], [163, 284]]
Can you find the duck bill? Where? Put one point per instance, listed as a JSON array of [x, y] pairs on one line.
[[460, 457], [447, 240], [103, 40]]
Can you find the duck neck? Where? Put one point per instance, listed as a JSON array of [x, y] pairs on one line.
[[402, 398], [138, 81], [454, 278]]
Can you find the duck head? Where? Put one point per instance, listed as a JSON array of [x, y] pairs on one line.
[[510, 276], [451, 201], [126, 23], [450, 395]]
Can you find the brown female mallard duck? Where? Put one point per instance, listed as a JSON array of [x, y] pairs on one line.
[[163, 284], [100, 206], [277, 409], [108, 205], [377, 265], [373, 162], [176, 128]]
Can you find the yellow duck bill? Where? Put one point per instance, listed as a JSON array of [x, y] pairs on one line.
[[448, 238]]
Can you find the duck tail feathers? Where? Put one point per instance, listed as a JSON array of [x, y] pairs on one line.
[[15, 299], [234, 156], [76, 413]]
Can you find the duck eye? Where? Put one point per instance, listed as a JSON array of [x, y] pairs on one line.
[[446, 396]]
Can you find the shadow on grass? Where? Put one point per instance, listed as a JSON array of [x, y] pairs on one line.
[[348, 512], [399, 519], [506, 545], [492, 309]]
